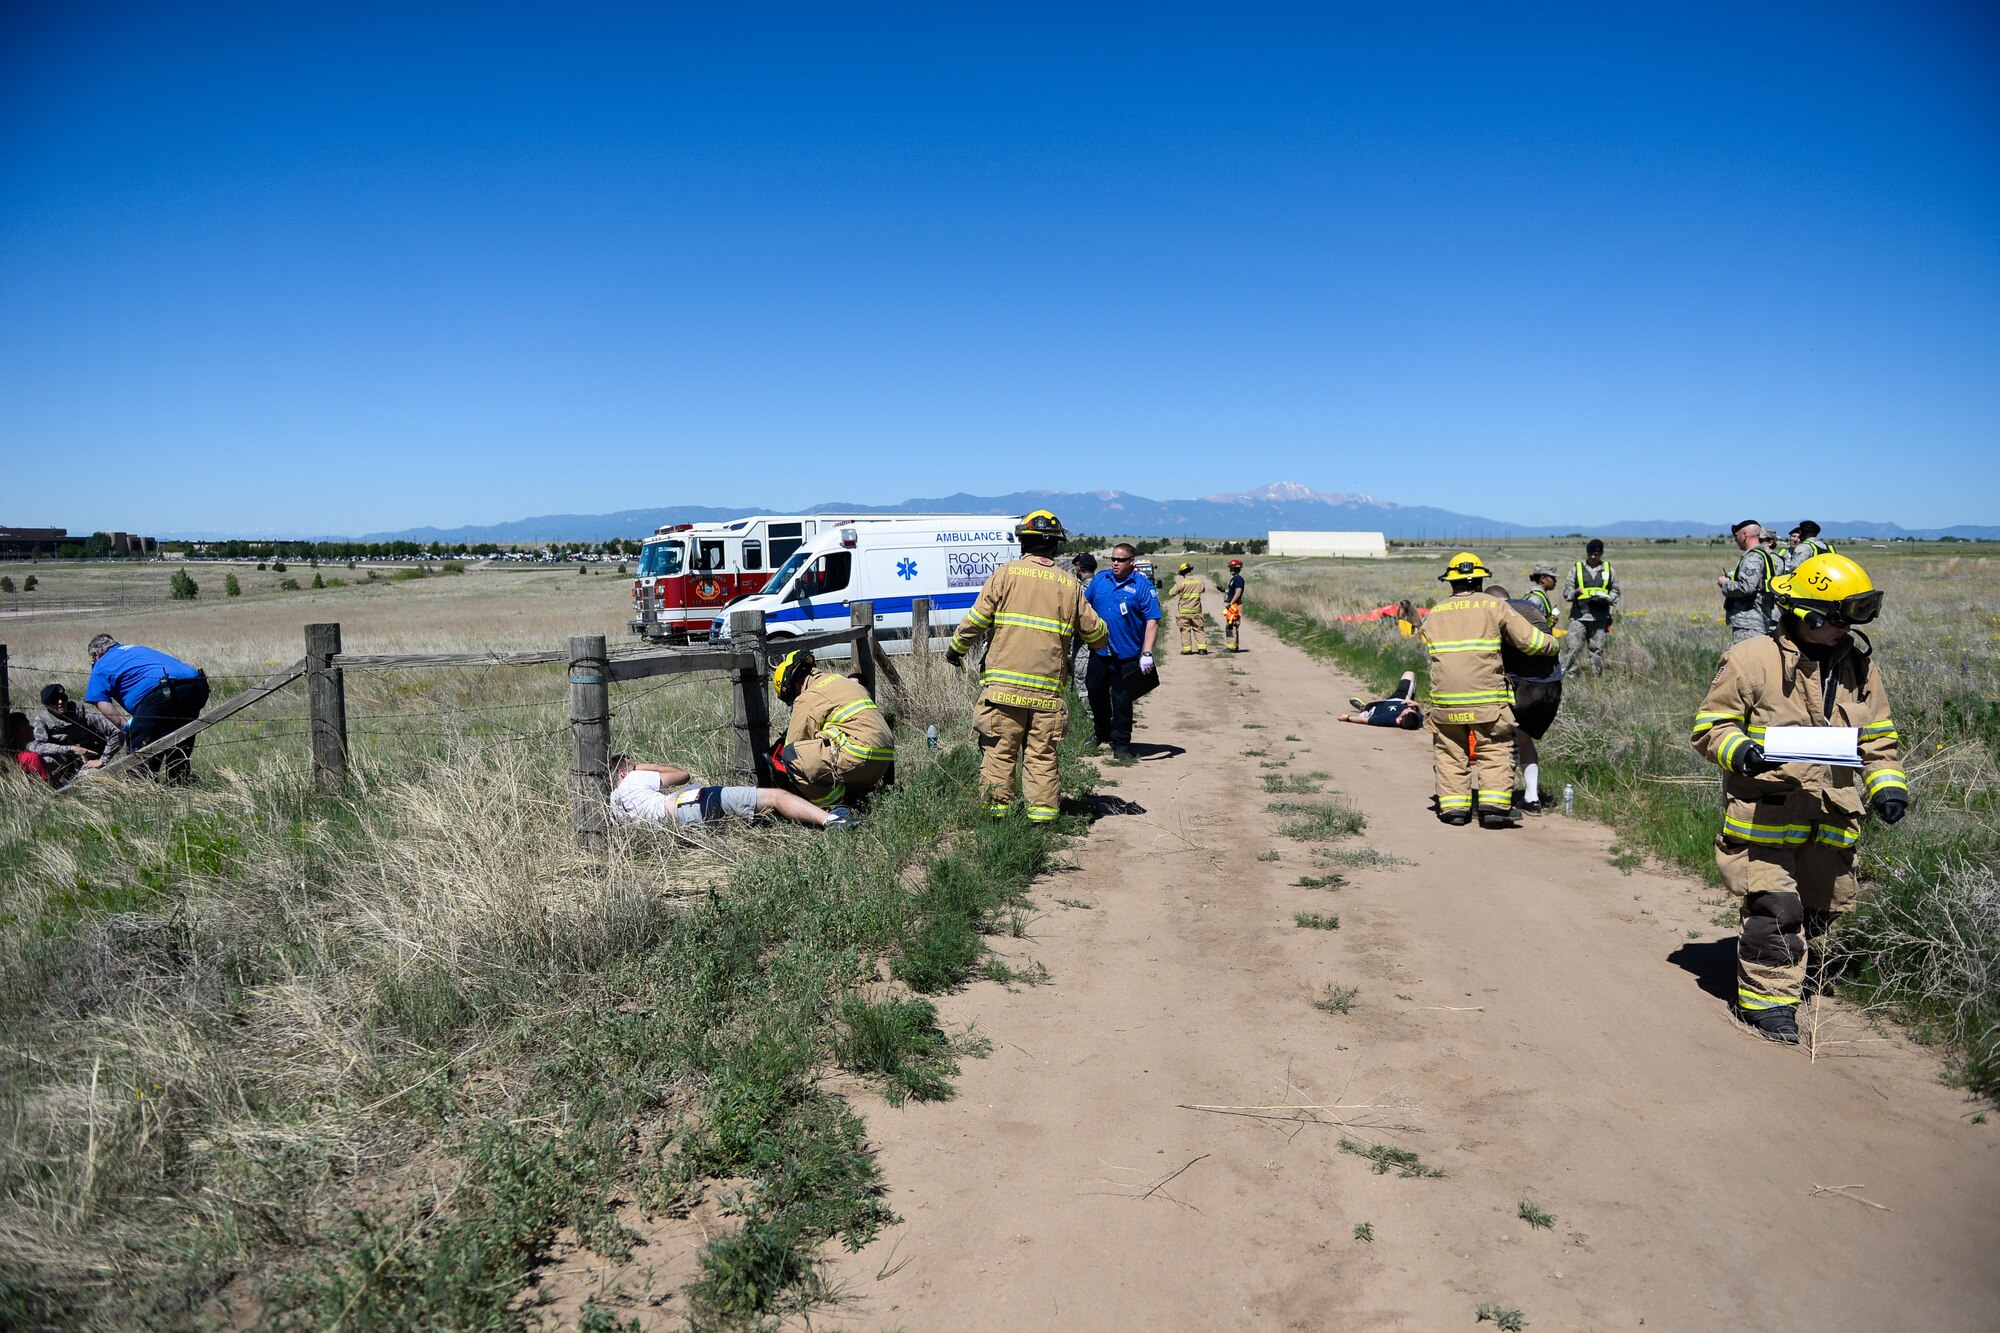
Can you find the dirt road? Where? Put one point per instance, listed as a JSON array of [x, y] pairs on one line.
[[1531, 1021]]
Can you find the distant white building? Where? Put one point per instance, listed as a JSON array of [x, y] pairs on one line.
[[1350, 545]]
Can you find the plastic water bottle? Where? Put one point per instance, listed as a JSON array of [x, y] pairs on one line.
[[1569, 798], [930, 735]]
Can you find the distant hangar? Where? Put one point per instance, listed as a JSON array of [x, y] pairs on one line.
[[1349, 545]]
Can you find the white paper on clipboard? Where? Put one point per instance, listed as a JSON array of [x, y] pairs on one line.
[[1838, 746]]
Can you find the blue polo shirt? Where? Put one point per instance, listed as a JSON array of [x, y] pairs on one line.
[[129, 672], [1124, 605]]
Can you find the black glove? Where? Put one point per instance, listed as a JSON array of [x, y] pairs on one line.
[[1750, 761], [954, 658], [1891, 806]]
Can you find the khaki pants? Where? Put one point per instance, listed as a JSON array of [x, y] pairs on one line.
[[1011, 734], [1790, 895], [1194, 635], [826, 777], [1473, 763]]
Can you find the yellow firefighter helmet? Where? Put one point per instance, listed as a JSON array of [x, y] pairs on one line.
[[789, 676], [1186, 568], [1464, 565], [1829, 589], [1041, 525]]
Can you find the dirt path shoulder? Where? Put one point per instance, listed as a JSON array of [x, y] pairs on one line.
[[1533, 1023]]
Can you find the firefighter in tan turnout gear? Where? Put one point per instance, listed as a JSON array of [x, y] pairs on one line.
[[1186, 593], [1471, 715], [1789, 829], [838, 744], [1030, 608]]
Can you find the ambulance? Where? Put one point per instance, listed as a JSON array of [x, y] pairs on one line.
[[890, 564]]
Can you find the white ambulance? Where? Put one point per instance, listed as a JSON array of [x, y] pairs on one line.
[[890, 564]]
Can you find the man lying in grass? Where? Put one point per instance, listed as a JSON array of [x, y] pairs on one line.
[[663, 794]]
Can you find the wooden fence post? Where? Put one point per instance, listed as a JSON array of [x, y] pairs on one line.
[[6, 698], [590, 738], [861, 617], [753, 711], [326, 705]]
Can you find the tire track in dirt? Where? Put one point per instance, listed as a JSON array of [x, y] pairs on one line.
[[1556, 1045]]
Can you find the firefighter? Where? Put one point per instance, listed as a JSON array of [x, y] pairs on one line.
[[1186, 593], [1232, 609], [838, 744], [1747, 598], [1591, 591], [1786, 849], [1030, 608], [1471, 715]]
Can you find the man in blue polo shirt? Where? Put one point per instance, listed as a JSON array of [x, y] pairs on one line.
[[1125, 601], [159, 694]]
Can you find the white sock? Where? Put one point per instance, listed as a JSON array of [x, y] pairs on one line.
[[1531, 781]]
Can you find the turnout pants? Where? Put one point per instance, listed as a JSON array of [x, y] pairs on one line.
[[1232, 628], [1022, 733], [826, 777], [168, 707], [1473, 763], [1793, 880], [1194, 634]]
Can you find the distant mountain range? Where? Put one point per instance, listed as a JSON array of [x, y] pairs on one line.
[[1283, 505]]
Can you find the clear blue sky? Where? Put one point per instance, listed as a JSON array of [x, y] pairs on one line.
[[338, 269]]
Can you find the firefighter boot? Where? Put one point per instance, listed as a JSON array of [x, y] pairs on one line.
[[1778, 1023]]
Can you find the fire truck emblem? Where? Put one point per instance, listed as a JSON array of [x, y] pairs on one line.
[[707, 590]]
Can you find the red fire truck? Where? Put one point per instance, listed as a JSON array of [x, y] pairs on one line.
[[689, 571]]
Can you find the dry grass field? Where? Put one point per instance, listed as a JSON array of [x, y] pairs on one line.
[[311, 1060], [1925, 942]]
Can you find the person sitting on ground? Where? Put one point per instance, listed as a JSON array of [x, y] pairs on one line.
[[70, 737], [20, 735], [1398, 710], [664, 794]]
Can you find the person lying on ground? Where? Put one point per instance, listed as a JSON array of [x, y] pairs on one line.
[[664, 794], [70, 737], [20, 735], [1398, 710]]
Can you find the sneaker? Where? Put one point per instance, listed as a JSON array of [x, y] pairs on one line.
[[1531, 807], [1778, 1023], [1357, 704], [841, 817], [1123, 752], [1093, 746]]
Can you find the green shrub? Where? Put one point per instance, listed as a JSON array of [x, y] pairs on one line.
[[230, 587], [30, 583], [6, 583], [319, 581], [288, 585], [183, 587]]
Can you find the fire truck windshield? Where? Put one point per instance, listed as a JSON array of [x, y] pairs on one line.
[[659, 558]]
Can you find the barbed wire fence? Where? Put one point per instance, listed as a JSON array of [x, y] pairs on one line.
[[592, 671]]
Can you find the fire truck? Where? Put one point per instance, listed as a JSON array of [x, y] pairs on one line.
[[689, 571]]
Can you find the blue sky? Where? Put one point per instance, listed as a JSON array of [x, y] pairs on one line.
[[341, 269]]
